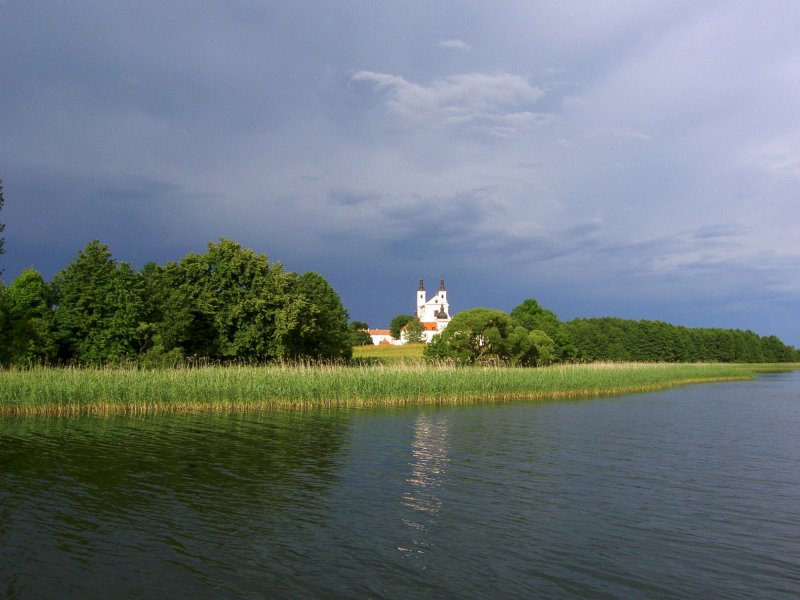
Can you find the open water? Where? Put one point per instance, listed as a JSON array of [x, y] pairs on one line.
[[688, 493]]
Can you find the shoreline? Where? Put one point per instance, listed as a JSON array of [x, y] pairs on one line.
[[111, 391]]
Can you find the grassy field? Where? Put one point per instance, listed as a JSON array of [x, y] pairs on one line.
[[390, 354], [299, 386]]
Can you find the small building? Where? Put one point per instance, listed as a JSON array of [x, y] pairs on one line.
[[383, 337]]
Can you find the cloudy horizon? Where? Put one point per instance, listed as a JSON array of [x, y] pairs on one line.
[[635, 159]]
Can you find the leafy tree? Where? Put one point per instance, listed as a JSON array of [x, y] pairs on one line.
[[415, 331], [167, 320], [2, 225], [396, 325], [534, 317], [4, 334], [324, 331], [475, 335], [359, 334], [529, 347], [30, 335], [99, 307], [233, 304]]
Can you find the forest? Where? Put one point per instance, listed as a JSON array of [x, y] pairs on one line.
[[626, 340], [231, 304], [228, 303], [533, 335]]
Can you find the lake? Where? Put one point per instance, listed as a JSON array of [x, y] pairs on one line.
[[689, 493]]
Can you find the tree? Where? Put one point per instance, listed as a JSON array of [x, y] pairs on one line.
[[29, 330], [324, 332], [99, 307], [2, 225], [396, 325], [359, 334], [534, 317], [415, 331], [529, 348], [234, 304], [475, 335]]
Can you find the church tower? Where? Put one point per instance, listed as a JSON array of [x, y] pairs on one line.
[[420, 310], [444, 307]]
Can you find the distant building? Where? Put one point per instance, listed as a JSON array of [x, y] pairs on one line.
[[434, 314]]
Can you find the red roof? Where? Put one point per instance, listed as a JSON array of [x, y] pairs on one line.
[[429, 326]]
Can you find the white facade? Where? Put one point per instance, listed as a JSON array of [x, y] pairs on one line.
[[434, 314], [434, 310], [383, 337]]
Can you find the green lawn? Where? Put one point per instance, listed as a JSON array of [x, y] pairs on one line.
[[390, 354]]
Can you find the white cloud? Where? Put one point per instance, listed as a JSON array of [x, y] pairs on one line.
[[621, 134], [497, 104], [455, 44]]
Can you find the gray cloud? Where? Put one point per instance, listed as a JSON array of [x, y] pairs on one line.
[[636, 159], [485, 102]]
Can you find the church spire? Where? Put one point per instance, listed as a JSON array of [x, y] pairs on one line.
[[441, 285], [421, 287]]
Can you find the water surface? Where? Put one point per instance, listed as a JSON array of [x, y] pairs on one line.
[[692, 492]]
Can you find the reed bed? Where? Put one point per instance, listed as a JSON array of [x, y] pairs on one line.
[[299, 386]]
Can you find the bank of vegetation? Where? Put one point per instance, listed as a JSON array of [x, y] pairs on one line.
[[533, 335], [226, 304], [109, 390], [233, 305]]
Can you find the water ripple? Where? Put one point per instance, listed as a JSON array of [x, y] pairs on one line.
[[687, 493]]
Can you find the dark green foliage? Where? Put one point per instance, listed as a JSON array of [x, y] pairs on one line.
[[482, 335], [324, 332], [620, 340], [28, 334], [359, 334], [99, 307], [534, 317], [2, 225], [229, 303], [397, 324], [232, 303], [415, 331]]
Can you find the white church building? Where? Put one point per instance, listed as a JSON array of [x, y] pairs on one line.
[[434, 313]]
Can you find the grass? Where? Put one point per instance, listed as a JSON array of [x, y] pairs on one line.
[[389, 354], [128, 390]]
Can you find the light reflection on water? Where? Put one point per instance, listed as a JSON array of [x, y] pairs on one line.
[[428, 468], [693, 492]]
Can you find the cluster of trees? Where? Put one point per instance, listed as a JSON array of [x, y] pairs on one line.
[[625, 340], [529, 336], [228, 303], [533, 335], [413, 327], [2, 225]]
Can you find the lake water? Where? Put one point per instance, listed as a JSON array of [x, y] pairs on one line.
[[689, 493]]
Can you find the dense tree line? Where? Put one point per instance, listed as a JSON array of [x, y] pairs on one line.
[[533, 335], [625, 340], [2, 225], [232, 304], [228, 303]]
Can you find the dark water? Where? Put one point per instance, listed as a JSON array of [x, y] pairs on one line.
[[690, 493]]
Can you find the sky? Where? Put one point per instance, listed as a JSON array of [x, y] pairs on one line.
[[636, 159]]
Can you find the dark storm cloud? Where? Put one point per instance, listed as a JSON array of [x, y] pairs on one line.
[[627, 158]]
